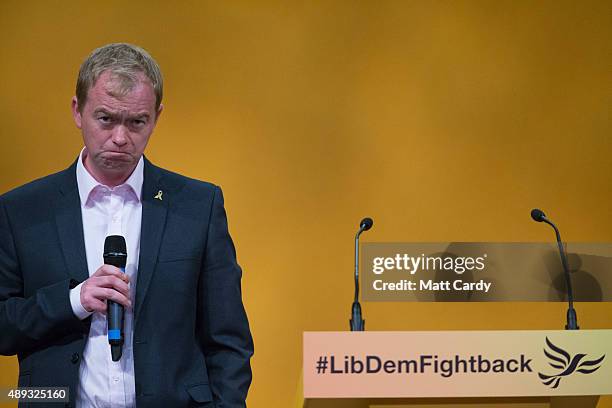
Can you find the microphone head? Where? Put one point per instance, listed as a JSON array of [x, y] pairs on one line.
[[114, 245], [366, 223], [538, 215]]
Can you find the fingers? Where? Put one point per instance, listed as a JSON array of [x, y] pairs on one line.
[[93, 298], [109, 270], [103, 294], [111, 282], [107, 283]]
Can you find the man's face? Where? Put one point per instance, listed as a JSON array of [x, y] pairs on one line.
[[116, 128]]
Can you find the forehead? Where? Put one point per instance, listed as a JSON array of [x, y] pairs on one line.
[[116, 94]]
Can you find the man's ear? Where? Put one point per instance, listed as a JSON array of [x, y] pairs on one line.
[[76, 114], [159, 111]]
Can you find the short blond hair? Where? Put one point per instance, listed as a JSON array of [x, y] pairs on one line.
[[126, 62]]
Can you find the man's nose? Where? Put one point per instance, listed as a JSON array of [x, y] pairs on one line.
[[120, 135]]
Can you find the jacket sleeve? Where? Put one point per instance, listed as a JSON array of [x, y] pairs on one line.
[[28, 323], [224, 333]]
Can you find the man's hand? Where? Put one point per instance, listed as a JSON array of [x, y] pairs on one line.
[[108, 282]]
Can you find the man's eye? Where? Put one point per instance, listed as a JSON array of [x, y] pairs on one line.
[[104, 119], [138, 122]]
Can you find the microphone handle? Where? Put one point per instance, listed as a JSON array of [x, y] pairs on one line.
[[115, 314]]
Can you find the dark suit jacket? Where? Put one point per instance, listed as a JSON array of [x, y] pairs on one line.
[[192, 343]]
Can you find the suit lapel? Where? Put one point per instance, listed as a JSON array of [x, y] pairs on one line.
[[70, 225], [154, 210]]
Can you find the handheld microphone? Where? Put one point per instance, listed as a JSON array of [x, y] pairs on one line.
[[115, 254], [572, 320], [357, 322]]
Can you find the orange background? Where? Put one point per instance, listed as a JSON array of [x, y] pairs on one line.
[[442, 120]]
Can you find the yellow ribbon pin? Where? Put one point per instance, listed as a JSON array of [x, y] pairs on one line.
[[159, 195]]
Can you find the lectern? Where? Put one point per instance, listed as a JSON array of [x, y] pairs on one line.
[[547, 368]]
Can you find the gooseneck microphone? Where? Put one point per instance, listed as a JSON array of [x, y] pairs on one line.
[[115, 254], [357, 322], [572, 320]]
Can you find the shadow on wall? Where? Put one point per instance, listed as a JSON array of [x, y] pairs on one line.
[[585, 286]]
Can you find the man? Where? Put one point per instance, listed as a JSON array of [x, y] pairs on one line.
[[187, 339]]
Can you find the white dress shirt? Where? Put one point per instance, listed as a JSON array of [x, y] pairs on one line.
[[104, 383]]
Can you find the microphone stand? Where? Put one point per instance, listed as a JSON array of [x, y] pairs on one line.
[[357, 322], [572, 320]]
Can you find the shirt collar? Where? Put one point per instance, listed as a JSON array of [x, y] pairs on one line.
[[87, 183]]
